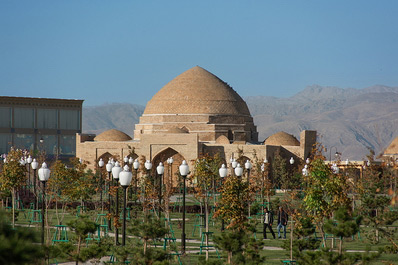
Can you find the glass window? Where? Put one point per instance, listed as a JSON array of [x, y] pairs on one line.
[[5, 143], [47, 119], [24, 141], [67, 145], [5, 117], [69, 119], [24, 118], [49, 144]]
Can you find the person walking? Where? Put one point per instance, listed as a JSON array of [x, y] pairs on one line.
[[268, 220], [282, 222]]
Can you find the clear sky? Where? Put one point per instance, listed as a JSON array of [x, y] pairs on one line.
[[125, 51]]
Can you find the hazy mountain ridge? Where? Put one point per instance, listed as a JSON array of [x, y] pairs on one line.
[[347, 120]]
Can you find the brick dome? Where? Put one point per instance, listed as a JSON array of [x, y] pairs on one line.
[[112, 135], [282, 138], [197, 91]]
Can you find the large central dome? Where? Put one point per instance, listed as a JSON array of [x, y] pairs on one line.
[[197, 91], [198, 102]]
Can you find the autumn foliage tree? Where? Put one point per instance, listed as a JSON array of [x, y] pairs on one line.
[[13, 176]]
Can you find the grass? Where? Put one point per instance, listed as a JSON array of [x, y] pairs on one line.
[[193, 243]]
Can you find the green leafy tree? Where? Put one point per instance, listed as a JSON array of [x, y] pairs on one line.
[[343, 225], [375, 202], [82, 226], [325, 193], [241, 247], [206, 175], [18, 245], [148, 229], [13, 176]]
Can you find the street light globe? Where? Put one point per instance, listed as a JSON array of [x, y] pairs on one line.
[[238, 170], [170, 160], [136, 164], [101, 163], [291, 161], [184, 169], [223, 171], [126, 159], [44, 172], [307, 161], [131, 160], [262, 167], [22, 161], [125, 177], [265, 160], [35, 164], [116, 170], [248, 165], [29, 159], [160, 169], [109, 166], [148, 165], [234, 163]]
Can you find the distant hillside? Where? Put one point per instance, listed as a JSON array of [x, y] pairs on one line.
[[123, 117], [347, 120]]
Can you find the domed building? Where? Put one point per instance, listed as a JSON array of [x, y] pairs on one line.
[[198, 102], [195, 113]]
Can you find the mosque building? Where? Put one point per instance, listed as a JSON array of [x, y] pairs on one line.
[[196, 113]]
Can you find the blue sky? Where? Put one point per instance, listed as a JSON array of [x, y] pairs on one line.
[[125, 51]]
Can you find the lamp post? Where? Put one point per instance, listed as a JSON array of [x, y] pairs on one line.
[[126, 160], [170, 163], [44, 175], [115, 173], [35, 165], [184, 169], [234, 164], [136, 165], [148, 167], [160, 171], [125, 179], [248, 167], [109, 167], [101, 164], [223, 171], [29, 160]]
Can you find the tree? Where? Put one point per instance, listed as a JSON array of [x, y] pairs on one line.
[[343, 225], [18, 245], [206, 175], [375, 202], [279, 171], [241, 247], [13, 176], [232, 207], [325, 192], [82, 226], [149, 229]]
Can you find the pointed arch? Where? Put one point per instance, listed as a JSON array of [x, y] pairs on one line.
[[169, 170], [105, 157]]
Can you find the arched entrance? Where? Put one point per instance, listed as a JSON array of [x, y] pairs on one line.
[[170, 170]]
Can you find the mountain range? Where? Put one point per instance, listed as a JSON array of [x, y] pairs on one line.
[[349, 121]]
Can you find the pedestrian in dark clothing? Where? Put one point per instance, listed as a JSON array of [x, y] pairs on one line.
[[268, 220], [282, 222]]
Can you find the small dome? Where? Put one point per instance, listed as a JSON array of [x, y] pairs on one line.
[[112, 135], [176, 130], [282, 138]]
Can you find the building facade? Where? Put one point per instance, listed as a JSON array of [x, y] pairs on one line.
[[40, 124], [194, 114]]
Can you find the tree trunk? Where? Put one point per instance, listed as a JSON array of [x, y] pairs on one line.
[[229, 257], [341, 246], [13, 207]]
